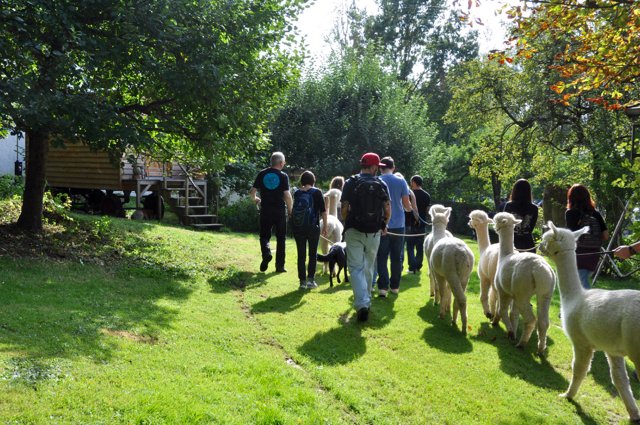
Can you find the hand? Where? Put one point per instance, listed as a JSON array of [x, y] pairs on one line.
[[384, 231], [622, 252], [325, 231]]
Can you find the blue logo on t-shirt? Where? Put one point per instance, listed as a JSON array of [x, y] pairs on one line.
[[271, 181]]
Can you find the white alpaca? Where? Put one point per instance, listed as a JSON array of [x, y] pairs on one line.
[[429, 242], [520, 275], [451, 262], [595, 319], [488, 263], [331, 199], [334, 235]]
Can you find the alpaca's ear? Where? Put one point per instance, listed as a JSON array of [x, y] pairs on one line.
[[447, 212], [517, 221], [580, 232], [552, 227], [491, 222]]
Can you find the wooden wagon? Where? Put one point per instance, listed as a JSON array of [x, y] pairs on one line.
[[106, 185]]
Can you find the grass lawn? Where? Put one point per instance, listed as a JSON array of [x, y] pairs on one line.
[[180, 327]]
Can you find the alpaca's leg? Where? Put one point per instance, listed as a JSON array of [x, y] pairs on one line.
[[485, 287], [620, 379], [544, 303], [529, 322], [493, 300], [324, 246], [514, 316], [460, 303], [504, 303], [445, 299], [581, 362]]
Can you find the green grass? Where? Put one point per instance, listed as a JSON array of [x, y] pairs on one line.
[[184, 329]]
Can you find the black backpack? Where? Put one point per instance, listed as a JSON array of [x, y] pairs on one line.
[[304, 215], [367, 206]]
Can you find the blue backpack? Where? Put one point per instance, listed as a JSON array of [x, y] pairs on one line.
[[304, 216]]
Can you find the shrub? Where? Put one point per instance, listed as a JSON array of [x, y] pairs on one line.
[[240, 217], [10, 186]]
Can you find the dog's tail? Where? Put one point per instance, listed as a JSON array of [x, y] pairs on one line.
[[323, 258]]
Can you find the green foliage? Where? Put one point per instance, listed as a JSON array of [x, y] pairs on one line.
[[10, 186], [241, 216], [330, 120]]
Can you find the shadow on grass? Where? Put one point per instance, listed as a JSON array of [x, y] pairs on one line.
[[526, 418], [601, 375], [54, 310], [230, 279], [339, 345], [522, 363], [443, 335], [282, 304]]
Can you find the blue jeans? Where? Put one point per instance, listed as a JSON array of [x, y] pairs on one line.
[[391, 247], [361, 255], [584, 278], [415, 247]]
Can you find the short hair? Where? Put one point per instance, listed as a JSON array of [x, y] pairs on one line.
[[337, 182], [417, 180], [388, 162], [521, 192], [578, 197], [277, 158], [307, 178]]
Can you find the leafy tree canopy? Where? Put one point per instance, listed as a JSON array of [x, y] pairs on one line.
[[171, 77]]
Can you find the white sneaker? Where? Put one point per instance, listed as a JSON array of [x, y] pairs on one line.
[[303, 284], [311, 284], [382, 293]]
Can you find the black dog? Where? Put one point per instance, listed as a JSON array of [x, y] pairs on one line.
[[337, 255]]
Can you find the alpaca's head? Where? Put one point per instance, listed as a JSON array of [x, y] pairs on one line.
[[557, 240], [479, 219], [437, 208], [503, 222], [441, 219]]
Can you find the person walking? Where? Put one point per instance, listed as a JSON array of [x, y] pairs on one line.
[[391, 246], [365, 211], [581, 212], [275, 203], [416, 225], [522, 207], [308, 206]]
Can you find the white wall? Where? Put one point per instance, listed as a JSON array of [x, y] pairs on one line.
[[8, 154]]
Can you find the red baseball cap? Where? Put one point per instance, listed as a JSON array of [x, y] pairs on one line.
[[370, 159]]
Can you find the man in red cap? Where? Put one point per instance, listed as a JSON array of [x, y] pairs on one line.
[[366, 211]]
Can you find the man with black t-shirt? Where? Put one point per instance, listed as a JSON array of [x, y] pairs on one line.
[[417, 225], [275, 204]]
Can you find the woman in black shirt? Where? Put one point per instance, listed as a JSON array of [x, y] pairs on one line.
[[522, 207]]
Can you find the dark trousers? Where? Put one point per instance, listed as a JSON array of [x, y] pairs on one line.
[[270, 218], [312, 238], [415, 247], [390, 249]]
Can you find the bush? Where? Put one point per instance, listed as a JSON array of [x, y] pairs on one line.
[[241, 216], [10, 186]]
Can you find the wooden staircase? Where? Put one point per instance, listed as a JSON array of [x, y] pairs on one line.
[[187, 198]]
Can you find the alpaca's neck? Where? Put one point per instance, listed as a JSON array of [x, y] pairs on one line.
[[506, 241], [568, 278], [439, 231], [483, 238], [333, 206]]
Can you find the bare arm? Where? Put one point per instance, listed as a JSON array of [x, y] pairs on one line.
[[626, 251], [289, 201], [407, 203], [325, 225], [253, 195]]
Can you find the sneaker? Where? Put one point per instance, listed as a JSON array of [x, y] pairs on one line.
[[265, 263], [363, 314], [395, 291], [311, 284], [382, 293], [303, 284], [281, 270]]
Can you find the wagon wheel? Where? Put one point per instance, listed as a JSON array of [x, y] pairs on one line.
[[112, 206]]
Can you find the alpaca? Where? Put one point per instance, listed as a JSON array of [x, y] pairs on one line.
[[451, 263], [520, 275], [595, 319], [331, 199], [334, 235], [488, 263], [429, 242]]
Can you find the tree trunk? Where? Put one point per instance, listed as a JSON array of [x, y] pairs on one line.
[[496, 188], [32, 201]]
